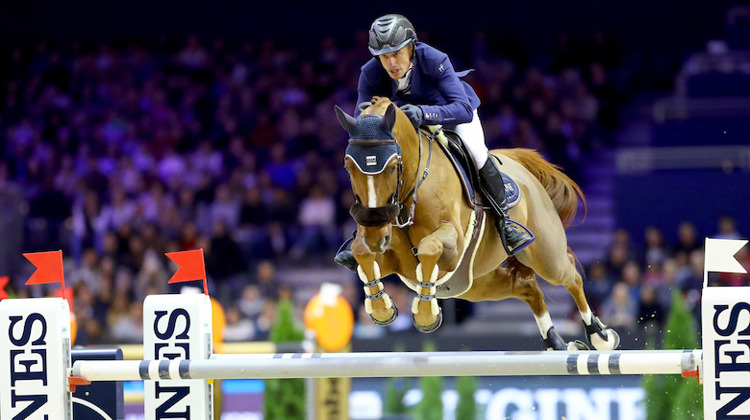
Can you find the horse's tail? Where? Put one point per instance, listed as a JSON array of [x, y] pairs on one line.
[[563, 191]]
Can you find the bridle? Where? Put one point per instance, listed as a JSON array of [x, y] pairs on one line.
[[395, 211]]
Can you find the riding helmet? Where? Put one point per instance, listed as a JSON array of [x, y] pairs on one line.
[[390, 33]]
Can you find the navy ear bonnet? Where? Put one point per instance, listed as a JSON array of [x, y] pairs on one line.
[[371, 147]]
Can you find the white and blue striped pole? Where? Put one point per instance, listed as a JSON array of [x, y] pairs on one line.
[[404, 364]]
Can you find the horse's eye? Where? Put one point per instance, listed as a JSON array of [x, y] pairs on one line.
[[391, 169], [357, 199]]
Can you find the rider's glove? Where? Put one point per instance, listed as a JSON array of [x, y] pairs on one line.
[[415, 114]]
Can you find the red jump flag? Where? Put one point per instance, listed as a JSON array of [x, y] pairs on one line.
[[49, 267], [191, 266], [3, 284]]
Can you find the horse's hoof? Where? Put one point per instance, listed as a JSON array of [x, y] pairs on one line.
[[601, 337], [554, 341], [612, 342], [388, 321], [578, 345], [430, 328]]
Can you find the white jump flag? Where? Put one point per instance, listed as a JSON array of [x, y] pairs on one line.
[[720, 257]]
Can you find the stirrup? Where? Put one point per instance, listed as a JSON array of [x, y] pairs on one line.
[[344, 256], [501, 229], [346, 259]]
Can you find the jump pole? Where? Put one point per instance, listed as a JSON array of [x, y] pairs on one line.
[[403, 364]]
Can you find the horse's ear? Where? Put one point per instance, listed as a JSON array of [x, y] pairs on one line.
[[346, 120], [389, 119]]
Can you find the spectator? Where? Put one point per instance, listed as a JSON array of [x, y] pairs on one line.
[[727, 228], [265, 321], [650, 315], [122, 325], [265, 273], [225, 208], [238, 327], [87, 273], [687, 238], [598, 285], [619, 310], [225, 262], [119, 212], [632, 277], [89, 224], [317, 215], [251, 302], [650, 312], [656, 251], [252, 234], [49, 209]]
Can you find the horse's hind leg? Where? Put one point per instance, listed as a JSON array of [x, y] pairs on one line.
[[598, 335], [499, 285], [565, 274]]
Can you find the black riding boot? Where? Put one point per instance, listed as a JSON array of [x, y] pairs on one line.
[[514, 238], [344, 256]]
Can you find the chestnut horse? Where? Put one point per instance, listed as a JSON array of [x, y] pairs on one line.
[[391, 166]]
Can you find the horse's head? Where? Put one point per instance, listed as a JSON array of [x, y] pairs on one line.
[[373, 160]]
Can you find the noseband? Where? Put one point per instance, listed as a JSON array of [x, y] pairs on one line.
[[375, 216]]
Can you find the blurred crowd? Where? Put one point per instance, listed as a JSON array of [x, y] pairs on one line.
[[636, 285], [117, 153]]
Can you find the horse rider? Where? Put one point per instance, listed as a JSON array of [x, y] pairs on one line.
[[422, 82]]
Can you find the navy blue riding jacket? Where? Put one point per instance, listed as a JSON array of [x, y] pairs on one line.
[[444, 97]]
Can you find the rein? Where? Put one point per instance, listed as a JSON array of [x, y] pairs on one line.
[[414, 191]]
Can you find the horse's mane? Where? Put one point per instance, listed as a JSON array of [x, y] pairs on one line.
[[380, 104]]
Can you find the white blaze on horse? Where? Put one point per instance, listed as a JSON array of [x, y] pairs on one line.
[[433, 245]]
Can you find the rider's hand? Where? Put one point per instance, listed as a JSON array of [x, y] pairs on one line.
[[415, 114]]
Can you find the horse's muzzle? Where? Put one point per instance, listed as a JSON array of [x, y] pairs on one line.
[[374, 216]]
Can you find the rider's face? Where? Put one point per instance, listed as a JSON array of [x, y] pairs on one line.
[[397, 63]]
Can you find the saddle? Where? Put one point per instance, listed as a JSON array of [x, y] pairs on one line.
[[460, 157]]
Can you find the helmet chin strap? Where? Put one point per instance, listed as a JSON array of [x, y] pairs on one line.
[[403, 83]]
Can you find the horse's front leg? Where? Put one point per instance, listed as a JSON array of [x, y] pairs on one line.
[[378, 304], [427, 314]]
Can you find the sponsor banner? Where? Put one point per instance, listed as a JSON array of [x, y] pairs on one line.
[[726, 356], [725, 318], [177, 327], [35, 358]]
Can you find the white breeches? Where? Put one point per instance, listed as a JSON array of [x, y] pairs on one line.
[[472, 135]]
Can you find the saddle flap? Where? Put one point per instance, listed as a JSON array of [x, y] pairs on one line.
[[462, 164]]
